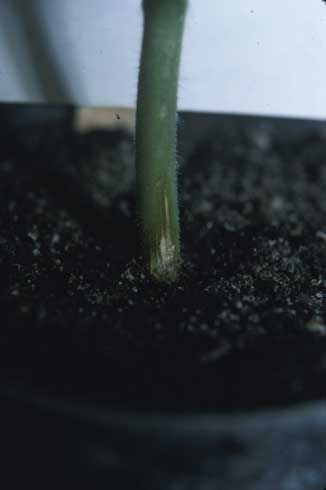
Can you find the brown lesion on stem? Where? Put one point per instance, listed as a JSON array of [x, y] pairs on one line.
[[165, 257]]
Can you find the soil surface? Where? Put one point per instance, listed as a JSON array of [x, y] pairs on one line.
[[245, 325]]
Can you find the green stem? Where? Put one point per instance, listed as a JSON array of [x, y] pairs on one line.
[[156, 135]]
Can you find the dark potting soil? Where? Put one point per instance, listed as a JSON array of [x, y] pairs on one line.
[[245, 325]]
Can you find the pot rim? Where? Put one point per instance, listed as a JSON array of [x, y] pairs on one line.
[[185, 424]]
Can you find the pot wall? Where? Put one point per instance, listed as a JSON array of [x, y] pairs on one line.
[[56, 441]]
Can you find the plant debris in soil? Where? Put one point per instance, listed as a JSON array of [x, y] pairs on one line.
[[245, 325]]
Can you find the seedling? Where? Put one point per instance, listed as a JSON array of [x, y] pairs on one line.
[[156, 122]]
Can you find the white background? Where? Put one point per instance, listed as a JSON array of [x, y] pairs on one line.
[[243, 56]]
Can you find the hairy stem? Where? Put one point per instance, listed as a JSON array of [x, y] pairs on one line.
[[156, 135]]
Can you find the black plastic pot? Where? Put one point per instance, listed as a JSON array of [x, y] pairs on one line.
[[50, 440]]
